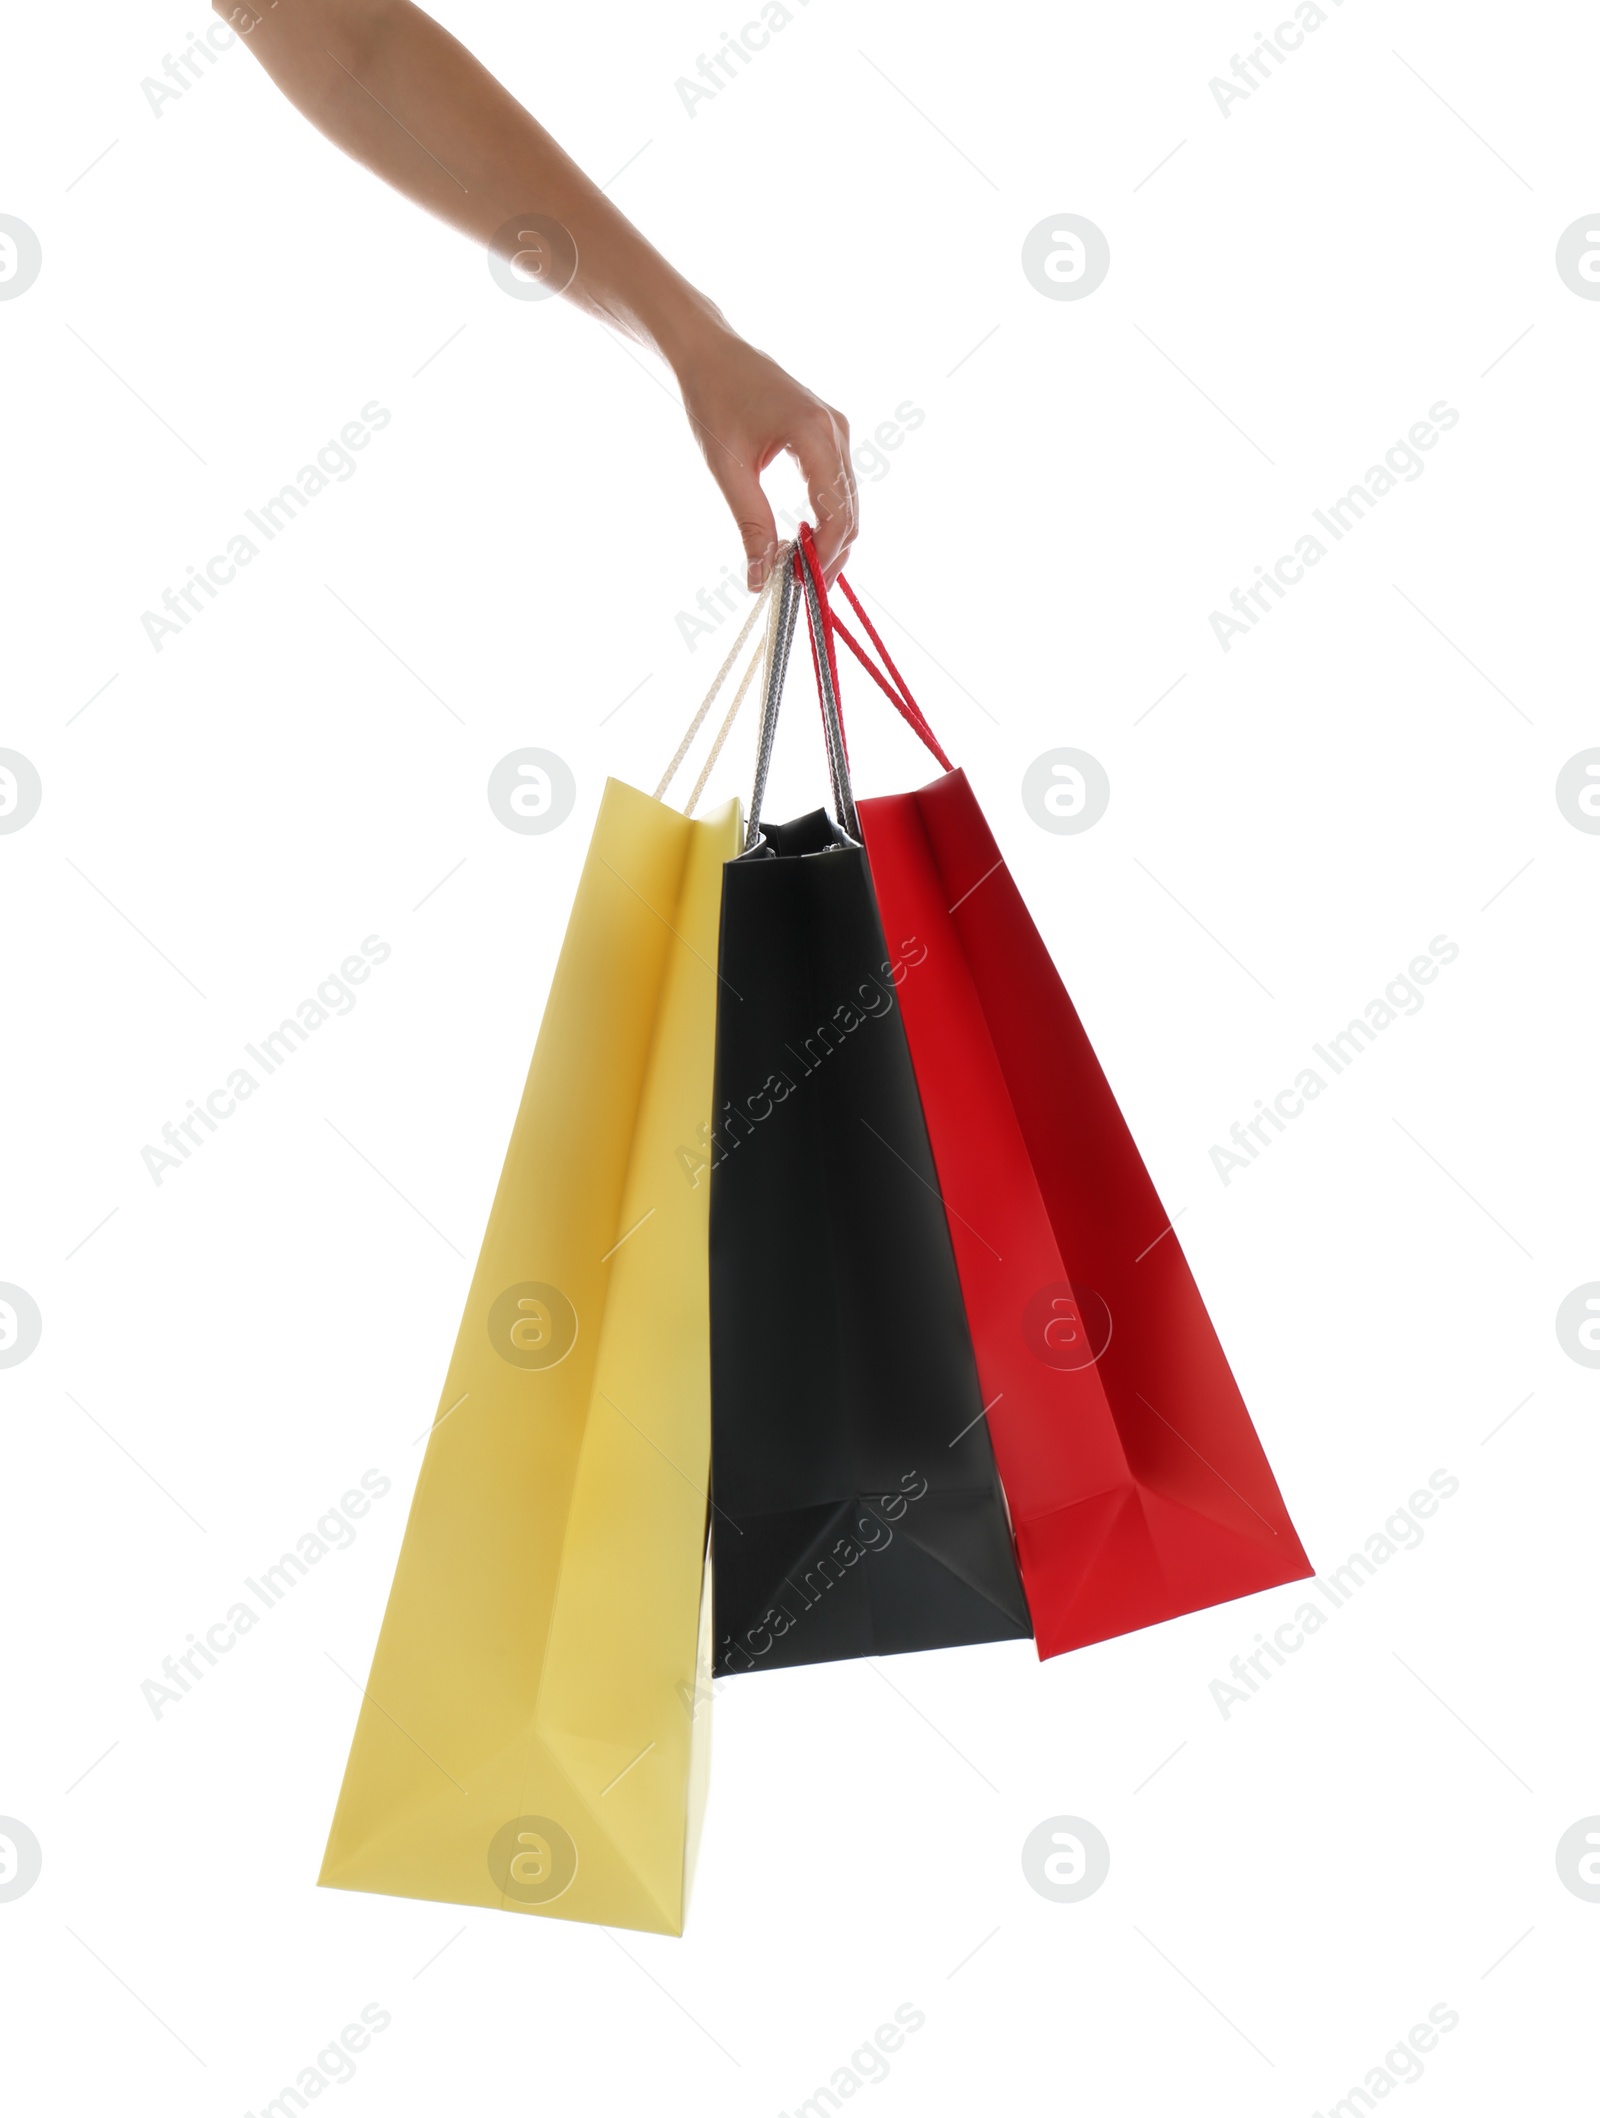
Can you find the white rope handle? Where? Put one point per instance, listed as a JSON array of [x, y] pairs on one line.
[[762, 660], [717, 682]]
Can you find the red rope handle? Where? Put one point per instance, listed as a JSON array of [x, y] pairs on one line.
[[898, 693], [872, 634], [904, 705]]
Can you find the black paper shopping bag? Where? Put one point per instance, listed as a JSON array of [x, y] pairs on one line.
[[856, 1506]]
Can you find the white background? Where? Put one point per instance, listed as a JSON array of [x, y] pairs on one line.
[[1374, 765]]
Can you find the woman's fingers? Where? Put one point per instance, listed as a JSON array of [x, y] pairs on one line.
[[819, 443], [751, 510], [822, 450], [745, 411]]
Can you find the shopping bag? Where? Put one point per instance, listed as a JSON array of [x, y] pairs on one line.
[[1137, 1486], [534, 1731], [856, 1509]]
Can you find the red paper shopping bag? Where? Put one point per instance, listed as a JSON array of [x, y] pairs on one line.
[[1137, 1486]]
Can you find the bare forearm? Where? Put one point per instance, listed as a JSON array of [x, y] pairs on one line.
[[398, 93]]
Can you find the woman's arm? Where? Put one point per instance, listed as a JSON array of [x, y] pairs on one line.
[[397, 92]]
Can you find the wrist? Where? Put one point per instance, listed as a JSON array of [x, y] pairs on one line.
[[687, 329]]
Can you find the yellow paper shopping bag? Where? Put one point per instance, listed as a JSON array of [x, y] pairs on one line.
[[535, 1729]]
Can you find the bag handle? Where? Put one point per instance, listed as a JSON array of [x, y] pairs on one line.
[[762, 654], [899, 696], [897, 692], [784, 610], [763, 660], [819, 619], [802, 578]]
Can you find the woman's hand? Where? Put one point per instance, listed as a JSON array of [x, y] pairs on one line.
[[745, 411]]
